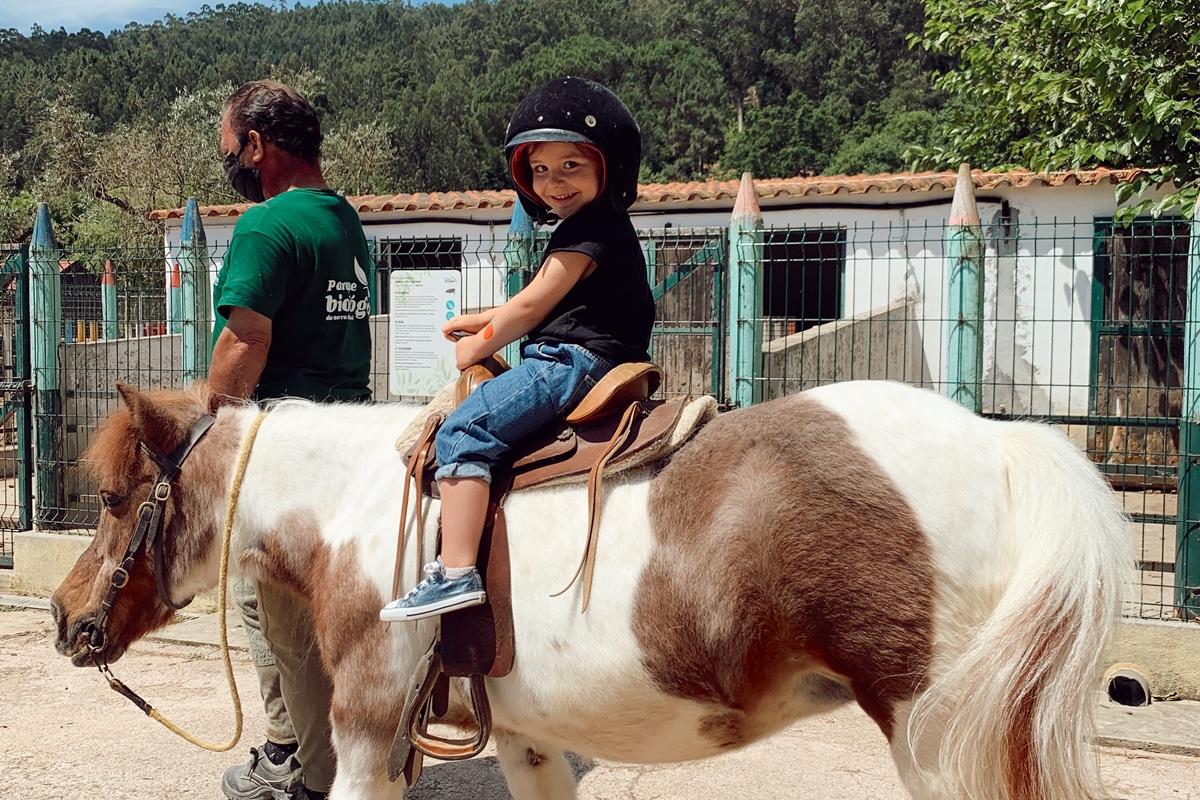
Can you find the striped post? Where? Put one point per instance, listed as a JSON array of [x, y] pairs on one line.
[[194, 296], [108, 303], [175, 299], [518, 262], [1187, 532], [45, 306], [964, 251], [745, 295]]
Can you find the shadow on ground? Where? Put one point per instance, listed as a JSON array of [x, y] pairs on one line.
[[477, 779]]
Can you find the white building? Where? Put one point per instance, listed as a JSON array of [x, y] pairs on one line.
[[849, 248]]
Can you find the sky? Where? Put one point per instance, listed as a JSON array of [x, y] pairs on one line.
[[105, 16]]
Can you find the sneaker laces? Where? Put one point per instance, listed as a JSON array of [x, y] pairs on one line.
[[432, 569]]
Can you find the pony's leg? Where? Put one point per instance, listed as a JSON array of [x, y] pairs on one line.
[[362, 768], [915, 762], [533, 772]]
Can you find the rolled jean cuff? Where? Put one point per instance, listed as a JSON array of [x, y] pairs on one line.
[[465, 469]]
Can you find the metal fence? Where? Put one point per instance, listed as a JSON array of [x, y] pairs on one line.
[[1079, 324], [1075, 322]]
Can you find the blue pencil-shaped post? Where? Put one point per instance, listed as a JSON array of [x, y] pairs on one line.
[[1187, 533], [518, 263], [45, 311], [108, 303], [175, 299], [194, 295], [964, 253], [745, 295]]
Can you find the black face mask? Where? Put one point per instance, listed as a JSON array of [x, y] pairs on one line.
[[246, 181]]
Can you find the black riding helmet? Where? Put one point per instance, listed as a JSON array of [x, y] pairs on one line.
[[584, 112]]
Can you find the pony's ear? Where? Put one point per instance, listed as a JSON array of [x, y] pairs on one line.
[[155, 426]]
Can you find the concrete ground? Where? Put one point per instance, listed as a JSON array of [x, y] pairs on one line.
[[63, 734]]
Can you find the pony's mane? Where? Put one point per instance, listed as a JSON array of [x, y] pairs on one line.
[[114, 445]]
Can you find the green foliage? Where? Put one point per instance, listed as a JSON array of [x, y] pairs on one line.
[[1068, 84], [781, 141], [416, 97]]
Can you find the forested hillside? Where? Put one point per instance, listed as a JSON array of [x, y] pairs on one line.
[[416, 97]]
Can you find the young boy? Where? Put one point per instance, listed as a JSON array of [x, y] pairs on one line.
[[574, 151]]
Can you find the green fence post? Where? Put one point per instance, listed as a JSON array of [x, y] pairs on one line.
[[745, 294], [108, 302], [194, 296], [45, 313], [373, 274], [964, 252], [1187, 532], [518, 261]]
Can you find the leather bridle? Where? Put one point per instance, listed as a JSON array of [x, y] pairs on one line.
[[149, 536]]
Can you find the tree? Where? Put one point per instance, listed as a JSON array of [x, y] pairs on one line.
[[1070, 84], [781, 141]]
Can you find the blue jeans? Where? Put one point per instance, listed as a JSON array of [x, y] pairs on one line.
[[550, 381]]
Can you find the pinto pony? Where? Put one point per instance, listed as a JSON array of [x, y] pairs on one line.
[[862, 542]]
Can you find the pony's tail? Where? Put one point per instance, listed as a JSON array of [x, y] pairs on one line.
[[1013, 707]]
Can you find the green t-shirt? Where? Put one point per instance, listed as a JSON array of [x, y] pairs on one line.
[[301, 259]]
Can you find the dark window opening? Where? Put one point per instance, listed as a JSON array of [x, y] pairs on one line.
[[803, 271]]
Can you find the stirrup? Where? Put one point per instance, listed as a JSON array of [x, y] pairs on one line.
[[413, 740]]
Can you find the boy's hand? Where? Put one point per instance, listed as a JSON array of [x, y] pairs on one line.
[[469, 323], [467, 351]]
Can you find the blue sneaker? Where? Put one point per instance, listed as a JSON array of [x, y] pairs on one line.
[[437, 594]]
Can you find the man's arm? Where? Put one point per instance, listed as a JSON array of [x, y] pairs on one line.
[[240, 354]]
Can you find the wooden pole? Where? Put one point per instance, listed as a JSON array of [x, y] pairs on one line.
[[175, 299], [518, 263], [745, 295], [964, 253], [45, 306], [194, 296], [108, 302]]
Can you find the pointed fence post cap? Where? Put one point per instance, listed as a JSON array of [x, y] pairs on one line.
[[963, 210], [193, 228], [176, 273], [108, 278], [43, 230], [745, 208], [520, 224]]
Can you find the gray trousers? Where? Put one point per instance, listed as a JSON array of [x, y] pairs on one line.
[[296, 691]]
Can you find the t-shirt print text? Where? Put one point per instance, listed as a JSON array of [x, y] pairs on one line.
[[346, 300]]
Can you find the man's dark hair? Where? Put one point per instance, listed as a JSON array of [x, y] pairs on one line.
[[280, 114]]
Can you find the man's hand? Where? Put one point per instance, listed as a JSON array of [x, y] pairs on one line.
[[240, 354]]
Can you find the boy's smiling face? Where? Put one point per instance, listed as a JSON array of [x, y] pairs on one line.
[[566, 177]]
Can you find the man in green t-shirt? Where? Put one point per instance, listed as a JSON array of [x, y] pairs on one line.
[[292, 304]]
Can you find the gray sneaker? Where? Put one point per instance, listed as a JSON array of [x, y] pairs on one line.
[[437, 594], [261, 778]]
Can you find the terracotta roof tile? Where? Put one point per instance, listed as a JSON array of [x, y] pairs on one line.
[[652, 194]]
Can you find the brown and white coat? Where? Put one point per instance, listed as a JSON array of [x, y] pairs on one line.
[[864, 542]]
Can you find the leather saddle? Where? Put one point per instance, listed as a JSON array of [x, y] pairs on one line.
[[614, 423]]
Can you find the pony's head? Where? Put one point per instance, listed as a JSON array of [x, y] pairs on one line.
[[121, 458]]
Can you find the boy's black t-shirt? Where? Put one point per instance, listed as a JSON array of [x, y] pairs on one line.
[[611, 311]]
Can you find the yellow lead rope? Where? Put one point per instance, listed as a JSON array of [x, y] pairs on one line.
[[222, 581]]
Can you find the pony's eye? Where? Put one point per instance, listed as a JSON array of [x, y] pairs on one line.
[[111, 499]]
